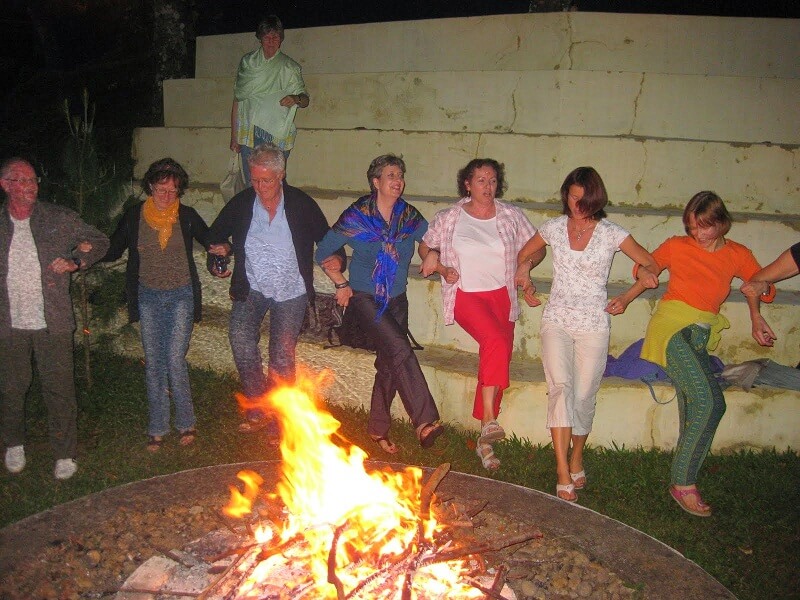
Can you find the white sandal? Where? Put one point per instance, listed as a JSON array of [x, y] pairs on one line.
[[486, 453], [491, 432], [567, 489], [576, 477]]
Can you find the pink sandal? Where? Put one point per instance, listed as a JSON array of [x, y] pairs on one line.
[[702, 510]]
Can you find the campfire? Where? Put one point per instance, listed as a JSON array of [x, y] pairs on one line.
[[334, 530]]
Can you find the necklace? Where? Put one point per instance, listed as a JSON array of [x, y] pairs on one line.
[[579, 233]]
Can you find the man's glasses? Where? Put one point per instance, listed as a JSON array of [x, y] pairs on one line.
[[270, 181], [24, 180]]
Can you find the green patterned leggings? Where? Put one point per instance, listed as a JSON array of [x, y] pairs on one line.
[[700, 401]]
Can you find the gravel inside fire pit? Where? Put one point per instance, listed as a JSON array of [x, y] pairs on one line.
[[96, 562]]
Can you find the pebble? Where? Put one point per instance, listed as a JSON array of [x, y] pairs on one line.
[[89, 565]]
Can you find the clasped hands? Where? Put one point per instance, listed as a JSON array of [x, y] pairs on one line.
[[430, 265], [645, 277]]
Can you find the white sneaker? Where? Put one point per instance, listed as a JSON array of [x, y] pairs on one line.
[[15, 459], [65, 468]]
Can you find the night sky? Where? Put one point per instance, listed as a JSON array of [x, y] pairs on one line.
[[220, 17]]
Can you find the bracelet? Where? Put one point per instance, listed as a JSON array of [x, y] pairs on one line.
[[341, 286]]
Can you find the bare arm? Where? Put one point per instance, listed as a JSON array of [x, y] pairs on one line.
[[781, 268], [530, 255], [762, 332], [299, 100], [646, 276], [234, 118], [431, 264]]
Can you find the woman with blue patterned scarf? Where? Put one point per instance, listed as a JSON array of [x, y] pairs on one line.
[[382, 228]]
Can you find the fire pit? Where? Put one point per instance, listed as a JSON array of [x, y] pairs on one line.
[[321, 524]]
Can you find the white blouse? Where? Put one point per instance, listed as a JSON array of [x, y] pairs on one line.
[[578, 295]]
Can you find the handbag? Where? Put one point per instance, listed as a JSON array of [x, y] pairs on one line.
[[234, 181], [340, 325]]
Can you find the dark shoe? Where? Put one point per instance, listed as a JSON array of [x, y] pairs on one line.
[[428, 433]]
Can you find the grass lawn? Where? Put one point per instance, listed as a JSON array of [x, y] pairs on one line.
[[751, 543]]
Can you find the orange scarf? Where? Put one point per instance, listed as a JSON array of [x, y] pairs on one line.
[[161, 220]]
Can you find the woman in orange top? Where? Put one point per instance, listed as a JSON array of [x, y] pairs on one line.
[[687, 323]]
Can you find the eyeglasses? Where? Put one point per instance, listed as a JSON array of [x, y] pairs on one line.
[[270, 181], [164, 191], [24, 180]]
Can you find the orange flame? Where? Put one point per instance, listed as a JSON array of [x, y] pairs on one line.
[[325, 486]]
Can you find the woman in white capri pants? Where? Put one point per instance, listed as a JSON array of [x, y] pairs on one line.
[[576, 322]]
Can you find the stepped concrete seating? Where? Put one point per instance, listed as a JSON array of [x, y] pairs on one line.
[[662, 106]]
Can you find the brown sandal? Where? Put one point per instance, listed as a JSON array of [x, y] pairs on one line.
[[154, 444], [187, 437], [385, 444]]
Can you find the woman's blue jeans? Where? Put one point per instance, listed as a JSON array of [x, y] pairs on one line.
[[285, 322], [166, 318]]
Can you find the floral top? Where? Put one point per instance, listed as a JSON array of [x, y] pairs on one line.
[[578, 296]]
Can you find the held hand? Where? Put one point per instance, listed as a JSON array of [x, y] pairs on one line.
[[647, 278], [754, 289], [763, 333], [235, 146], [530, 296], [343, 295], [450, 275], [219, 249], [290, 100], [59, 266], [616, 306], [332, 263], [429, 264], [522, 276]]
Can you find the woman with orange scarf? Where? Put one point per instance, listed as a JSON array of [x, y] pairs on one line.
[[163, 292]]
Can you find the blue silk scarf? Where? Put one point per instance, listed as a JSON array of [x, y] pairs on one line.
[[362, 221]]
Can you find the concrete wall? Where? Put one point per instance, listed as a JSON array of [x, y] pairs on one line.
[[662, 106]]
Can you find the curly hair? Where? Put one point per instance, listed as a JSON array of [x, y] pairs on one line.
[[165, 169], [478, 163], [379, 163]]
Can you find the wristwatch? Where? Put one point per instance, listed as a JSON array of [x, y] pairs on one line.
[[78, 262], [340, 286]]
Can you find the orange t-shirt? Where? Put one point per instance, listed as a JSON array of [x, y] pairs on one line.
[[700, 278]]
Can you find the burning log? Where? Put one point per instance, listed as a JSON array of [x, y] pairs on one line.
[[429, 488], [490, 546], [332, 577]]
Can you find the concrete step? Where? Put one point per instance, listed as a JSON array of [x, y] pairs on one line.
[[627, 415], [766, 235], [427, 321], [565, 103], [581, 41], [638, 173]]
